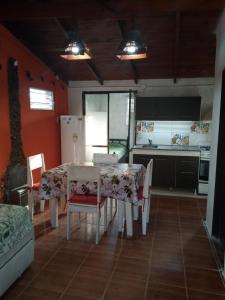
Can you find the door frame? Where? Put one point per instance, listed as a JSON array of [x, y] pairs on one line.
[[218, 228], [130, 91]]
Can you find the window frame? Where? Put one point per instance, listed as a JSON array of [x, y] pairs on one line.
[[51, 104]]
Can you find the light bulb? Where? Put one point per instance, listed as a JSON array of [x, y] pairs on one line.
[[130, 47], [75, 49]]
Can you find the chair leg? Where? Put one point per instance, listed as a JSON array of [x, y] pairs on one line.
[[115, 205], [105, 216], [97, 226], [110, 208], [120, 215], [129, 219], [31, 204], [148, 215], [144, 218], [68, 227], [135, 211], [42, 205]]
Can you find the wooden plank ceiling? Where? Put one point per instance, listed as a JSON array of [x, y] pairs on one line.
[[180, 35]]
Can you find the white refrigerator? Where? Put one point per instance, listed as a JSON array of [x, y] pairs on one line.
[[72, 139]]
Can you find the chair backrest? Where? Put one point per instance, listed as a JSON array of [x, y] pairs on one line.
[[83, 174], [148, 179], [34, 162], [105, 158]]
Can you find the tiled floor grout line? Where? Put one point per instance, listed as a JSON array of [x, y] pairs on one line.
[[41, 269], [213, 249], [113, 271], [59, 243], [182, 250], [214, 253], [76, 272], [150, 256]]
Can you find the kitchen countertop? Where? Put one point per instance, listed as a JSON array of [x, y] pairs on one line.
[[168, 147], [168, 150]]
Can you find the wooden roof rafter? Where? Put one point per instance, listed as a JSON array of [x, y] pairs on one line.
[[28, 10], [177, 46]]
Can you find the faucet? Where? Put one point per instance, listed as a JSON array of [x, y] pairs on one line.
[[150, 142]]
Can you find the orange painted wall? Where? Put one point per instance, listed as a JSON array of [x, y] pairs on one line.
[[40, 129]]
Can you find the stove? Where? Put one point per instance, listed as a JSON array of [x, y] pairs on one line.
[[205, 148], [203, 176]]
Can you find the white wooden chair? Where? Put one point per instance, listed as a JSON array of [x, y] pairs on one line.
[[144, 197], [87, 203], [107, 159], [34, 162]]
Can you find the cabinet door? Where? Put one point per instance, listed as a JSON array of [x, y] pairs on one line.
[[168, 108], [187, 172], [141, 159], [163, 169], [163, 172], [147, 108]]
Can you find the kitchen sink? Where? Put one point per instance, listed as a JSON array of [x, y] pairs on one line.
[[150, 146]]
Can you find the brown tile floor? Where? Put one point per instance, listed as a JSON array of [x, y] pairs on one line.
[[174, 261]]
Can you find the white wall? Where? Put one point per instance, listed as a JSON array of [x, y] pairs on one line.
[[156, 87], [219, 66]]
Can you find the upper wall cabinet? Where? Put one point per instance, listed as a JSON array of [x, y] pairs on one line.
[[168, 108]]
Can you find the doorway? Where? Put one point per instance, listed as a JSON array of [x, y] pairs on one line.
[[109, 123], [218, 229]]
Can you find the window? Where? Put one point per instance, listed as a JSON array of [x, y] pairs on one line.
[[41, 99]]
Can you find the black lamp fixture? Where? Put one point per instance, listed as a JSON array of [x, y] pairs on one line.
[[132, 46], [75, 49]]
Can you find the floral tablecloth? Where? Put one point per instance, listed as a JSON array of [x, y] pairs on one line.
[[119, 181]]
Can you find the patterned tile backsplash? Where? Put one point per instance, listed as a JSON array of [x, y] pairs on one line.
[[173, 132]]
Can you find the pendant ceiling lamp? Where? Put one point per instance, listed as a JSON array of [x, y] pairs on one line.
[[132, 46], [75, 49]]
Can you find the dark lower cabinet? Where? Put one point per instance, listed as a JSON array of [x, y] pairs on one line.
[[187, 172], [172, 171], [163, 171]]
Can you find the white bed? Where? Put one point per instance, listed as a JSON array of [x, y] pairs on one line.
[[16, 243]]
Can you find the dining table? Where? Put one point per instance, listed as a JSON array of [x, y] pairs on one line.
[[119, 181]]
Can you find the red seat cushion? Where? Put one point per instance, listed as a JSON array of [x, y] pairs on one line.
[[85, 199], [140, 192], [35, 187]]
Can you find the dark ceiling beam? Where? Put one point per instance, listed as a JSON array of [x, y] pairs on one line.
[[89, 63], [177, 47], [61, 26], [105, 4], [132, 64], [94, 70], [135, 72], [85, 9]]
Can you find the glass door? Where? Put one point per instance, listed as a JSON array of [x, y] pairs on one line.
[[96, 124], [132, 125], [119, 108]]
